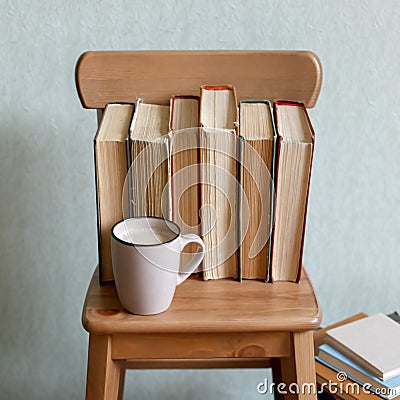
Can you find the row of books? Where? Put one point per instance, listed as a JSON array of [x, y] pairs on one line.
[[235, 173], [365, 350]]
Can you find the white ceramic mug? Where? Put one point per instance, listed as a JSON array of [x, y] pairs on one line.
[[146, 255]]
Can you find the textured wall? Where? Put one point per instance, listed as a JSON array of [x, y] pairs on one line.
[[47, 202]]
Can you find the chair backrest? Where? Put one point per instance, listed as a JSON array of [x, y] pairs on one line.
[[121, 76]]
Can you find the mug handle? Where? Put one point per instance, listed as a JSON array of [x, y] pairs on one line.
[[195, 260]]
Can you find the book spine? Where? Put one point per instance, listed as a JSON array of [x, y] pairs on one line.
[[275, 167], [239, 213], [168, 144], [96, 177], [272, 195], [129, 176], [307, 195]]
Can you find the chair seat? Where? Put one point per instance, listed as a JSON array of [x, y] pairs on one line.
[[199, 306]]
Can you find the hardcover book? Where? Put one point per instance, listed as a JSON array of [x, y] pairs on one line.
[[110, 169], [218, 173], [336, 360], [343, 389], [184, 128], [294, 155], [185, 170], [371, 342], [150, 192], [256, 194]]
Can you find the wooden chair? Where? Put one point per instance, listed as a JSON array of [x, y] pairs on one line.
[[213, 324]]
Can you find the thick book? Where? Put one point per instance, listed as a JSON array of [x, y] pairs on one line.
[[185, 172], [218, 173], [184, 128], [320, 334], [326, 376], [336, 360], [110, 169], [328, 379], [294, 153], [372, 342], [256, 193], [150, 189]]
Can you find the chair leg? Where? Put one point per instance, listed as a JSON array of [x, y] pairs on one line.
[[298, 370], [103, 373], [121, 381], [277, 376]]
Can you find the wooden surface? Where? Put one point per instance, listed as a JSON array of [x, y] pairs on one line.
[[207, 363], [300, 367], [103, 373], [200, 345], [209, 306], [122, 76]]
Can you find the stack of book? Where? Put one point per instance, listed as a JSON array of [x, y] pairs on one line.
[[236, 173], [365, 350]]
